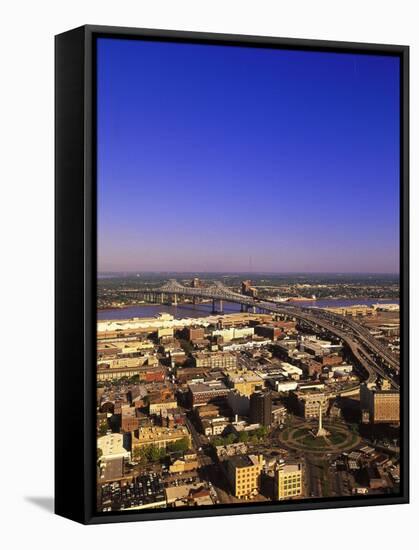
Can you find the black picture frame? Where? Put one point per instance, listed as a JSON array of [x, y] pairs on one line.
[[75, 271]]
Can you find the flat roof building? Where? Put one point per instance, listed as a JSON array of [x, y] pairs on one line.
[[195, 333], [111, 470], [158, 436], [202, 393], [288, 481], [157, 405], [243, 473], [380, 406], [261, 408], [268, 331], [234, 333], [112, 446], [245, 382], [220, 360], [309, 403]]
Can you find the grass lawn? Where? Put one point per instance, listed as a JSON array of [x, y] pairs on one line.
[[315, 443], [299, 433], [337, 438]]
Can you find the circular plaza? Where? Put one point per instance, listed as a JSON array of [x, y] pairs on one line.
[[302, 437]]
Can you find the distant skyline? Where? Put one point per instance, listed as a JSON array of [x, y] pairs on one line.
[[302, 273], [233, 159]]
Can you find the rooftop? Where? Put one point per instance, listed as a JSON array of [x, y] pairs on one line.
[[214, 385], [240, 461]]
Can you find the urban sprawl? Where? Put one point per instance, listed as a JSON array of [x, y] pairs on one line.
[[279, 400]]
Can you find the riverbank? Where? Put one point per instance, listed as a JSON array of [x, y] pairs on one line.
[[182, 311]]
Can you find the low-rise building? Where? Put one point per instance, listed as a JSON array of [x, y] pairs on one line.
[[191, 494], [232, 449], [318, 347], [194, 333], [245, 382], [214, 360], [202, 393], [158, 436], [291, 371], [172, 418], [177, 356], [145, 367], [343, 369], [268, 331], [157, 405], [245, 345], [234, 333], [214, 426], [279, 414], [113, 446], [309, 403], [354, 311], [283, 386], [240, 426], [165, 333], [111, 470], [313, 368], [129, 419], [181, 465], [127, 362], [332, 359]]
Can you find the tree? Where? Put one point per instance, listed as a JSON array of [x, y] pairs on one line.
[[179, 445], [230, 438], [243, 437], [154, 453], [148, 453], [139, 454], [261, 432]]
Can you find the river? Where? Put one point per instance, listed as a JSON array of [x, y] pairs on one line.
[[182, 311]]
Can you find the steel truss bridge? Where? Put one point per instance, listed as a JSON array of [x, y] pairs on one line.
[[370, 354]]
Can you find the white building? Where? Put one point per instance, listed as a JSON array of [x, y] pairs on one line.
[[291, 371], [285, 386], [245, 345], [234, 333], [341, 369], [112, 446]]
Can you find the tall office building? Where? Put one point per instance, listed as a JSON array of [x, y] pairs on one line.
[[196, 283], [380, 405], [261, 408]]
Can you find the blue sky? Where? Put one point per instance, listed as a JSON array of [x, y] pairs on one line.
[[220, 158]]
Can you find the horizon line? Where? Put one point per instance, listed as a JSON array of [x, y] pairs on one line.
[[191, 272]]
